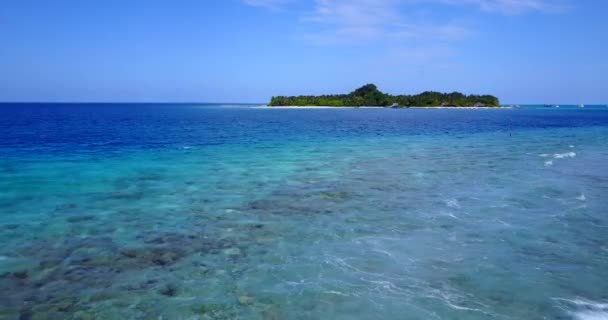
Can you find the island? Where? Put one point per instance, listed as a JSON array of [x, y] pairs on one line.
[[370, 96]]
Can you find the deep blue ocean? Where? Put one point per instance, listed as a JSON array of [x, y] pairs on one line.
[[194, 211]]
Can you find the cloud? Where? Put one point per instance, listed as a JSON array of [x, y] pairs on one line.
[[268, 4], [419, 38], [512, 7], [364, 21], [368, 12], [383, 8]]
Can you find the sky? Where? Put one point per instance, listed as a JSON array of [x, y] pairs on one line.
[[523, 51]]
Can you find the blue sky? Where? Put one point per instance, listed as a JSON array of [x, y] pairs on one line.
[[523, 51]]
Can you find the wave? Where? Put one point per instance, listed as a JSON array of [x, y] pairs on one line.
[[564, 155], [583, 309], [452, 203]]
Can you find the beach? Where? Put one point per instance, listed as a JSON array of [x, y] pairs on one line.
[[330, 107]]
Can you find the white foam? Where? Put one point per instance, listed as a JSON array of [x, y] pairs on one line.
[[457, 307], [449, 298], [384, 252], [452, 203], [503, 223], [548, 163], [544, 155], [564, 155], [337, 293], [591, 315], [581, 197], [585, 309], [572, 146]]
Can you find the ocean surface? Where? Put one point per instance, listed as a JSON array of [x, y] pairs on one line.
[[192, 211]]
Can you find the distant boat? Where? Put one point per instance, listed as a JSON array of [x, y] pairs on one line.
[[556, 106], [581, 105]]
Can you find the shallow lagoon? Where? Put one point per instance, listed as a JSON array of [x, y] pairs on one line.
[[214, 212]]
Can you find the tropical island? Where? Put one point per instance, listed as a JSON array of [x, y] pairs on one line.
[[370, 96]]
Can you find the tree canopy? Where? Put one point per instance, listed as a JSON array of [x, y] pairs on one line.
[[369, 95]]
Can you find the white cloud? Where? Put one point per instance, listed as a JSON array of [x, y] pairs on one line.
[[369, 12], [363, 21], [512, 6], [373, 9], [268, 4], [404, 36]]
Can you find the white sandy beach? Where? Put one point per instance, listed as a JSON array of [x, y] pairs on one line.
[[330, 107]]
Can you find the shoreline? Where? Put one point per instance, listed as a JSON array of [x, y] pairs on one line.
[[346, 107]]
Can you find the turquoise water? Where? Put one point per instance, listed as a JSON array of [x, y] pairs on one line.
[[233, 212]]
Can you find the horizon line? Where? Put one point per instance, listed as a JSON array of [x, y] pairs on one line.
[[239, 103]]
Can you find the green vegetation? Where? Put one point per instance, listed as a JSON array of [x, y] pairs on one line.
[[369, 95]]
